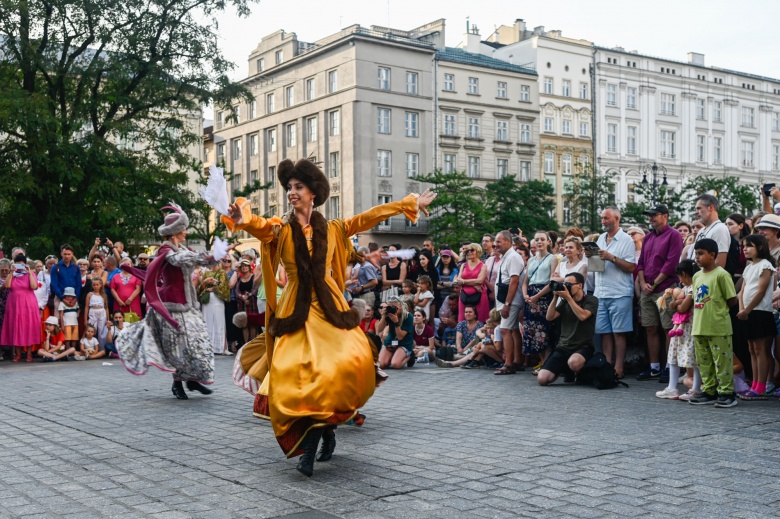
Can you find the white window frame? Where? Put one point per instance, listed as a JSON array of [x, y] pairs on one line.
[[717, 111], [381, 200], [717, 150], [611, 94], [270, 103], [566, 88], [289, 96], [631, 98], [525, 93], [383, 78], [501, 91], [235, 149], [272, 139], [473, 87], [566, 163], [220, 152], [549, 163], [548, 86], [566, 127], [449, 124], [310, 89], [412, 165], [668, 141], [747, 154], [291, 130], [271, 176], [450, 162], [775, 121], [334, 164], [411, 82], [631, 138], [254, 145], [612, 137], [748, 117], [525, 133], [449, 82], [583, 90], [775, 157], [668, 104], [701, 109], [502, 130], [525, 171], [384, 163], [334, 208], [584, 129], [260, 64], [701, 148], [502, 168], [334, 122], [473, 128], [333, 81], [549, 124], [411, 124], [252, 109], [473, 167], [384, 121], [311, 129], [279, 56]]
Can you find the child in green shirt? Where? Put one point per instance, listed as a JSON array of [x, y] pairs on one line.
[[713, 293]]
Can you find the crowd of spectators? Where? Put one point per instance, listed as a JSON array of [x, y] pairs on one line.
[[681, 296]]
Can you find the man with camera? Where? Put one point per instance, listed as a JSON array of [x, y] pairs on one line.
[[577, 311]]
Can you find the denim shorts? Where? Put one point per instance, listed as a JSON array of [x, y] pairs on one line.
[[615, 315]]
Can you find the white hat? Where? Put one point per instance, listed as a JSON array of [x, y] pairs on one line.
[[69, 291], [175, 222], [771, 221], [52, 320]]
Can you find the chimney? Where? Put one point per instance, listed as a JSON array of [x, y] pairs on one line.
[[519, 29], [473, 39], [694, 58], [539, 31]]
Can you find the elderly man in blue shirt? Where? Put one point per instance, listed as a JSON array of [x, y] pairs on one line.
[[615, 288]]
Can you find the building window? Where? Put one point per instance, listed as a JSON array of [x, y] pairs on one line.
[[748, 117], [220, 120], [311, 129], [383, 121], [631, 97], [252, 109], [449, 163], [548, 85], [567, 212], [549, 162], [260, 65], [289, 95], [717, 146], [502, 130], [566, 127], [411, 83], [525, 171], [566, 89], [334, 208], [583, 161], [411, 124], [473, 128], [631, 140], [502, 168], [667, 104], [566, 162], [583, 90], [473, 171], [501, 90], [775, 157], [612, 137], [205, 153], [383, 163], [334, 122], [701, 109], [525, 133], [333, 81], [269, 103], [668, 144], [525, 93], [279, 57], [272, 140], [220, 152], [701, 147], [384, 78], [449, 124], [254, 145], [775, 121], [381, 200], [236, 182], [611, 95], [292, 134], [412, 165], [748, 147], [717, 110], [271, 178], [310, 89], [253, 176], [334, 164], [548, 124], [449, 82], [237, 149], [473, 85], [584, 129]]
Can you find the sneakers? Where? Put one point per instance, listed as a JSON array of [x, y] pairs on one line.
[[79, 357], [751, 395], [443, 363], [648, 374], [669, 394], [663, 377], [409, 363], [726, 400], [470, 365], [702, 399], [686, 397]]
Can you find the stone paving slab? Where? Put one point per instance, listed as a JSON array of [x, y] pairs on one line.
[[85, 440]]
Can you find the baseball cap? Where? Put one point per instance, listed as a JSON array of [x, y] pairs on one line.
[[659, 209]]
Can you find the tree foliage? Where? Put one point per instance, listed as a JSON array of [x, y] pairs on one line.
[[94, 99], [524, 205], [588, 194]]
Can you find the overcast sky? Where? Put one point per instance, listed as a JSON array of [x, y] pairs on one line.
[[736, 35]]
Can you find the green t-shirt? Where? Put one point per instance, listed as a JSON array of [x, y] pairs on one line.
[[711, 291]]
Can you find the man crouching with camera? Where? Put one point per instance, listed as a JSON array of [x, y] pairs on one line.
[[577, 311]]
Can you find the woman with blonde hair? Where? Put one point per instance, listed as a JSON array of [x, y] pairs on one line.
[[472, 280]]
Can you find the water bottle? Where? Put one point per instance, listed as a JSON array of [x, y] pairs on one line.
[[425, 357]]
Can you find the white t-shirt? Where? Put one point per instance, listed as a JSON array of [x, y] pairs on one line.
[[750, 279], [427, 308], [70, 314], [89, 344], [715, 231], [512, 264], [564, 269]]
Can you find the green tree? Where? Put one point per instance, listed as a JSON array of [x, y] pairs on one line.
[[525, 205], [588, 194], [93, 102], [459, 211], [732, 196]]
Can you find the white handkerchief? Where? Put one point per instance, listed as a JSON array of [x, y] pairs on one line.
[[215, 193], [219, 249]]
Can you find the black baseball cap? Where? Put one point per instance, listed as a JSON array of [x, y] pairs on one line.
[[659, 209]]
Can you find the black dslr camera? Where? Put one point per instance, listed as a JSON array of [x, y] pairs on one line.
[[390, 309], [558, 286]]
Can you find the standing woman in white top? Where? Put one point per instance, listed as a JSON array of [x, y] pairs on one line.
[[537, 295], [574, 260]]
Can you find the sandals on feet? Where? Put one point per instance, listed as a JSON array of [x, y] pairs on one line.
[[506, 370]]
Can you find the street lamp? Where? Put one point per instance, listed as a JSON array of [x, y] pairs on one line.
[[653, 170]]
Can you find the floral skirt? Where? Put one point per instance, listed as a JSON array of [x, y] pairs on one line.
[[536, 334]]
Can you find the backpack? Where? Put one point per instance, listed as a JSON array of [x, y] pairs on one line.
[[599, 373]]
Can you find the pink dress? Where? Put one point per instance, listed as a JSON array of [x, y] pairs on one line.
[[483, 308], [22, 322], [124, 289]]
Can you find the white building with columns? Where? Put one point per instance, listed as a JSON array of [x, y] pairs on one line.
[[692, 119]]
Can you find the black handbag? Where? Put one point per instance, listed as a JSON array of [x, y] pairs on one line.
[[471, 300]]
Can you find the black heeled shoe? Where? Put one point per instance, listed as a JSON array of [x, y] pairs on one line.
[[197, 386], [328, 444], [178, 390], [306, 465]]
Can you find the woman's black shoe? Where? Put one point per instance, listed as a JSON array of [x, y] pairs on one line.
[[312, 441], [197, 386], [328, 444], [178, 390]]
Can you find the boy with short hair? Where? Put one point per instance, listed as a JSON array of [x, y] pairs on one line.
[[69, 317], [713, 294]]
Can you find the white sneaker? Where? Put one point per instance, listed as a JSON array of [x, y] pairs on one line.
[[670, 394], [687, 396], [79, 357]]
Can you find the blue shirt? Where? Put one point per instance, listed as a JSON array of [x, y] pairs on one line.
[[613, 282], [65, 276]]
